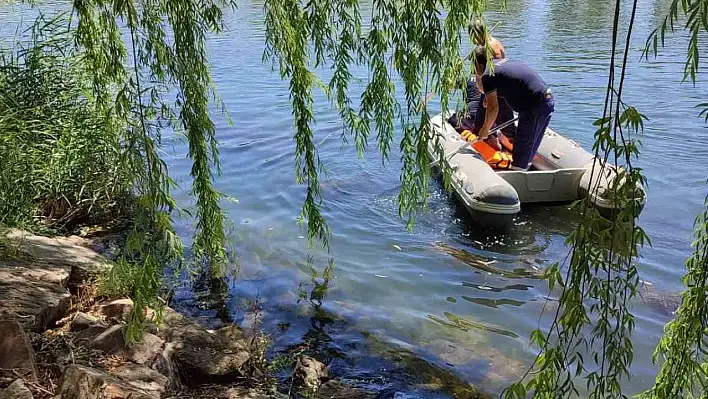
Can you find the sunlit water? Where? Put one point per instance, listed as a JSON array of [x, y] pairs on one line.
[[456, 296]]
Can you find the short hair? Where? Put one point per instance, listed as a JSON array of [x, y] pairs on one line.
[[477, 30], [480, 55]]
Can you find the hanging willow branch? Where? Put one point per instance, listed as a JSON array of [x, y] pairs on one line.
[[166, 51], [682, 350], [406, 39], [590, 336]]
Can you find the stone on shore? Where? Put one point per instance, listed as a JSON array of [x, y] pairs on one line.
[[16, 390], [81, 321], [34, 292], [310, 373], [15, 350], [84, 263], [142, 377], [117, 309], [111, 340], [79, 382], [338, 390], [204, 356]]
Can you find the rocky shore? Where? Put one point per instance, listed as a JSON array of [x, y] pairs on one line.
[[59, 340]]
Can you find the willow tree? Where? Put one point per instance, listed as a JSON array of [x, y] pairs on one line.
[[590, 336], [418, 42], [682, 351], [138, 53]]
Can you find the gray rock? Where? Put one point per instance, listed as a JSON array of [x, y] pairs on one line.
[[79, 382], [244, 393], [111, 340], [164, 364], [199, 354], [84, 263], [231, 332], [16, 390], [337, 390], [118, 309], [663, 302], [82, 321], [144, 351], [310, 372], [34, 292], [142, 377], [15, 349]]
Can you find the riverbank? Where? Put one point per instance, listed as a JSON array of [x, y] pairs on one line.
[[63, 339]]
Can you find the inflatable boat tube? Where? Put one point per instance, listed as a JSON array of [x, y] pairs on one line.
[[489, 199], [560, 153]]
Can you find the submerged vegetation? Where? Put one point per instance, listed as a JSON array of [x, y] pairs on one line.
[[85, 102]]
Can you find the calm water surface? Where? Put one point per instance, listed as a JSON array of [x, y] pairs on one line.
[[454, 295]]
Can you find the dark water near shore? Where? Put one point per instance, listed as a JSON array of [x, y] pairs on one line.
[[447, 292]]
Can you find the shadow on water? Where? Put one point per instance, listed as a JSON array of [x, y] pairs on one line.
[[367, 360], [304, 322]]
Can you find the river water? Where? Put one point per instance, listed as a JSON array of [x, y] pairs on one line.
[[462, 299]]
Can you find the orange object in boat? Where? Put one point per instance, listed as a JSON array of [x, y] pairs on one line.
[[495, 159], [505, 142]]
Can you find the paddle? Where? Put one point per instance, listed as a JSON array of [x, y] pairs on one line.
[[462, 147]]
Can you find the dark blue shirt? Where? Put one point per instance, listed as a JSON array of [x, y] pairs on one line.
[[521, 87]]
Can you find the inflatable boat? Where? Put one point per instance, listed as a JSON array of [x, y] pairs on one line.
[[561, 172]]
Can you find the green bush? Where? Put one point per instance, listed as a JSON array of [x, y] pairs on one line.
[[60, 158]]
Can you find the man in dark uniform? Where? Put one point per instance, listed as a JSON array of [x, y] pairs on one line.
[[526, 93], [475, 115]]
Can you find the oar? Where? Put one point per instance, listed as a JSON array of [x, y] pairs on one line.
[[462, 147]]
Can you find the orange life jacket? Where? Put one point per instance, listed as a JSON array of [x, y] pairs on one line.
[[495, 159]]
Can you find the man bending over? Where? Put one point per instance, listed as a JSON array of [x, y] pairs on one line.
[[526, 93]]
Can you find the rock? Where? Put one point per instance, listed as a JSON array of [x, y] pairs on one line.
[[142, 377], [16, 390], [231, 332], [144, 351], [452, 352], [15, 349], [310, 373], [199, 354], [79, 382], [82, 321], [663, 302], [118, 309], [84, 263], [164, 364], [111, 340], [244, 393], [339, 390], [34, 291]]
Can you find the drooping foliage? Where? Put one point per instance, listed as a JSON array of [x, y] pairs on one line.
[[590, 336], [406, 40], [682, 352], [140, 53]]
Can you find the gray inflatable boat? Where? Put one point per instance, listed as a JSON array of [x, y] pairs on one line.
[[561, 173]]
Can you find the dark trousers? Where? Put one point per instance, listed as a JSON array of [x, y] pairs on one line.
[[529, 133]]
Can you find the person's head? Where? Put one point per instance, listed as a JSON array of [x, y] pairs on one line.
[[478, 32], [480, 59]]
